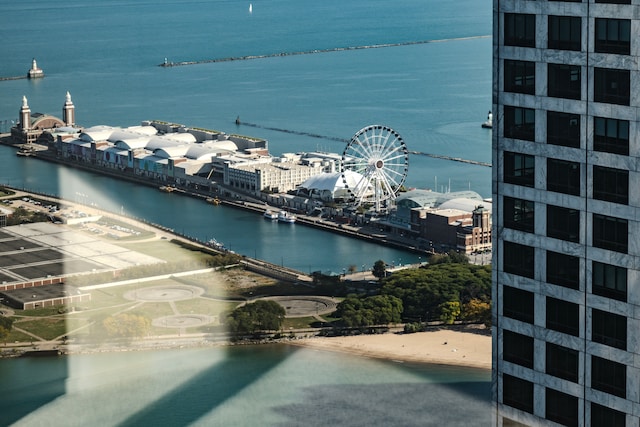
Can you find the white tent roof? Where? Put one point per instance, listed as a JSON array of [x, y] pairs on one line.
[[332, 181]]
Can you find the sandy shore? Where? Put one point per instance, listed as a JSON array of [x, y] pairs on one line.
[[445, 347]]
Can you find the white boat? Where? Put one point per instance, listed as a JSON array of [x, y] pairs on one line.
[[285, 216], [270, 215], [250, 7], [213, 243], [489, 123]]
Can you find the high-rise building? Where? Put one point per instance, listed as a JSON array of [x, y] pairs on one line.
[[566, 153]]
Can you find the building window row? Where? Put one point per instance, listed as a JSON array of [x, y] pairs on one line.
[[610, 135], [565, 33], [611, 86]]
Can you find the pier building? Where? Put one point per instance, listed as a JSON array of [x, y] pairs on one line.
[[566, 270], [31, 126]]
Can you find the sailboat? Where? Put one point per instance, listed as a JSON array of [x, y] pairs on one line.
[[250, 7]]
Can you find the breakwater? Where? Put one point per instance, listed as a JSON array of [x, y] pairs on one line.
[[13, 78], [332, 138], [314, 51]]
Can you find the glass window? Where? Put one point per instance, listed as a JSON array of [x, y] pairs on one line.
[[519, 214], [519, 259], [563, 176], [563, 223], [563, 270], [563, 129], [517, 348], [564, 32], [610, 233], [517, 304], [613, 36], [611, 184], [561, 407], [562, 362], [520, 123], [609, 281], [519, 169], [611, 86], [609, 376], [609, 329], [520, 76], [603, 416], [519, 29], [563, 316], [614, 1], [611, 135], [517, 393], [563, 81]]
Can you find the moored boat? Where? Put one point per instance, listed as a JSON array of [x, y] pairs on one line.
[[285, 216], [270, 215]]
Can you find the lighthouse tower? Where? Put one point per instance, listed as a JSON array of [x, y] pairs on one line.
[[69, 112], [35, 72], [25, 115]]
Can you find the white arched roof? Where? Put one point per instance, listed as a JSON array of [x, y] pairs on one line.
[[464, 204], [158, 142], [97, 133], [143, 130], [220, 145], [182, 137], [332, 181], [171, 151], [132, 143]]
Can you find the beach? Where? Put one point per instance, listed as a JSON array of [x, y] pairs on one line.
[[444, 346]]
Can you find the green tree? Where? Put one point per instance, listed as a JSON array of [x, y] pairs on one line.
[[127, 325], [375, 310], [6, 324], [477, 310], [451, 257], [423, 290], [449, 311], [262, 315], [379, 269]]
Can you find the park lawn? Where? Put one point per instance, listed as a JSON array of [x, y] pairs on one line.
[[39, 312], [205, 306], [45, 328], [298, 323], [170, 252], [17, 336], [153, 310]]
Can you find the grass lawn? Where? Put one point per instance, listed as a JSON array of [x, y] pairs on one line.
[[170, 252], [204, 306], [46, 328], [298, 323]]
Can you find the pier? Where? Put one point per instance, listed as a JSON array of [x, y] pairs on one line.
[[314, 51]]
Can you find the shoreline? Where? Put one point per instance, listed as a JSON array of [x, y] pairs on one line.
[[441, 347], [446, 347]]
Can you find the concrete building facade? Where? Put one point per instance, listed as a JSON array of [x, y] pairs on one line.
[[566, 263]]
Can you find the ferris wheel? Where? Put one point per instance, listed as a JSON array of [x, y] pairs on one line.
[[374, 166]]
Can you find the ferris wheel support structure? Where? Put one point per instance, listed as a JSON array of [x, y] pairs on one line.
[[374, 166]]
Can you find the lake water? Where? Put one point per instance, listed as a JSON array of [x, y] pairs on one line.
[[106, 52], [270, 385]]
